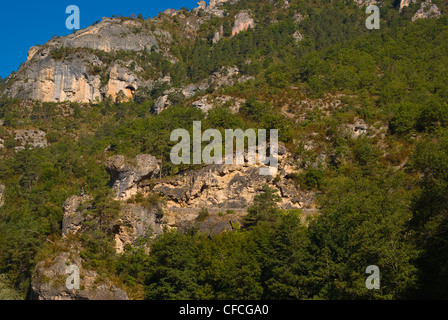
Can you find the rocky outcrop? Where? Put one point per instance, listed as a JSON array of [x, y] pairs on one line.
[[427, 10], [365, 3], [74, 214], [228, 187], [32, 138], [218, 188], [121, 79], [227, 76], [212, 225], [125, 177], [218, 35], [405, 3], [213, 3], [137, 222], [358, 128], [43, 78], [110, 35], [57, 72], [243, 21], [202, 5], [206, 103], [49, 281]]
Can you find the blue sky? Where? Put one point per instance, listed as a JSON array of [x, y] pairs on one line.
[[26, 23]]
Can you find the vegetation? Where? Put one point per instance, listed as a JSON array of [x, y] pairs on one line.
[[382, 199]]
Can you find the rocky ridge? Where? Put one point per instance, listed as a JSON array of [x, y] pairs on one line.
[[70, 68]]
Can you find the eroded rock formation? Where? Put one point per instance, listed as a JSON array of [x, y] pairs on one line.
[[126, 177], [49, 281], [243, 21], [53, 73], [32, 138], [427, 10]]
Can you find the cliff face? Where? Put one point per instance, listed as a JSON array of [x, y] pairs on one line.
[[215, 187], [73, 76], [71, 68]]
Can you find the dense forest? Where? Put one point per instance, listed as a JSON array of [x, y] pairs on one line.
[[382, 204]]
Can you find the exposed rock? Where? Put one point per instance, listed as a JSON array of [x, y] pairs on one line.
[[243, 21], [359, 127], [170, 12], [427, 10], [213, 225], [52, 81], [32, 52], [218, 34], [74, 215], [121, 79], [218, 188], [223, 187], [227, 76], [136, 222], [405, 3], [205, 105], [161, 104], [125, 177], [214, 3], [110, 35], [2, 143], [49, 282], [365, 3], [202, 4], [189, 90], [298, 17], [33, 138], [75, 77]]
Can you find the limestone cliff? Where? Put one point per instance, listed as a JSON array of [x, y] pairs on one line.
[[243, 21], [219, 188], [74, 68], [58, 71]]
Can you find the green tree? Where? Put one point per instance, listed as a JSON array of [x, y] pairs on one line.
[[430, 218], [287, 271], [172, 274], [264, 208]]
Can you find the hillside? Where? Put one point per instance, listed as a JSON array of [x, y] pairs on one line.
[[86, 176]]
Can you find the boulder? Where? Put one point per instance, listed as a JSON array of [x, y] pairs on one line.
[[49, 282]]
